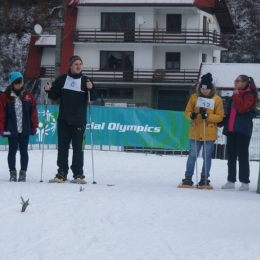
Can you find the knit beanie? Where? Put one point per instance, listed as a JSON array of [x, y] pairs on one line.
[[206, 81], [14, 76], [73, 59]]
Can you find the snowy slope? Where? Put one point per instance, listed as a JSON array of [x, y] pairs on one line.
[[143, 216]]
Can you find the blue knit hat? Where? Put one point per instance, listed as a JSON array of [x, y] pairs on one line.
[[14, 76]]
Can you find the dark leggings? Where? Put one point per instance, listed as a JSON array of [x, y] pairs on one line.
[[237, 147], [22, 141]]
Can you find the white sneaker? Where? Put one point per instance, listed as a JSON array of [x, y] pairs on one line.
[[229, 185], [244, 186]]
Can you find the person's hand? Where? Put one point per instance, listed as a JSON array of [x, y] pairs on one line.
[[2, 132], [47, 87], [193, 115], [202, 110], [89, 85], [204, 116], [33, 131]]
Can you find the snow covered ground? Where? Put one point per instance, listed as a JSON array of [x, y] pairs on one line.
[[143, 216]]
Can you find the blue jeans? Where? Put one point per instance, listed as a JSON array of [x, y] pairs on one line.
[[193, 154]]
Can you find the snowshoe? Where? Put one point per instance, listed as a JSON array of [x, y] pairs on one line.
[[204, 184], [186, 183], [59, 178], [79, 179]]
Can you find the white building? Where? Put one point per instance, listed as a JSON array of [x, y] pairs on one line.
[[142, 52]]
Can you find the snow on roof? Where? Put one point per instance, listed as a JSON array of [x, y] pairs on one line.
[[224, 74], [134, 1], [46, 40]]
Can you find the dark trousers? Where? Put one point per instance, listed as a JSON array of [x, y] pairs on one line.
[[13, 142], [237, 147], [76, 135]]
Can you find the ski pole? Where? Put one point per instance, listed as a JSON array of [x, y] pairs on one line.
[[44, 129], [91, 142], [204, 151], [195, 138]]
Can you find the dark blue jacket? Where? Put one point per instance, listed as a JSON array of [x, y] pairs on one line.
[[243, 121]]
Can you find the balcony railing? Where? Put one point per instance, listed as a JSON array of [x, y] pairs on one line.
[[149, 76], [151, 36], [46, 72]]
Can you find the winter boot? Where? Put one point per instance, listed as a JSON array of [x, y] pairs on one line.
[[244, 186], [186, 183], [229, 185], [22, 176], [13, 176], [204, 184]]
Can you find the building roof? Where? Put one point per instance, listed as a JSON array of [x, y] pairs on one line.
[[46, 40], [224, 74]]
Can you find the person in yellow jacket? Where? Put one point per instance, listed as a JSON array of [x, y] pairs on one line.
[[205, 110]]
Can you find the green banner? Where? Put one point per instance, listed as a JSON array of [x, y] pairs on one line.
[[122, 127]]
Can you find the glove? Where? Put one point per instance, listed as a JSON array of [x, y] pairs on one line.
[[204, 116], [2, 132], [34, 131], [193, 115]]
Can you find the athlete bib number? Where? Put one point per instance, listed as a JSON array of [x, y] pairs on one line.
[[205, 103]]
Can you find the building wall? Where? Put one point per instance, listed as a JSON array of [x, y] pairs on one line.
[[48, 56], [90, 54], [149, 56], [192, 18]]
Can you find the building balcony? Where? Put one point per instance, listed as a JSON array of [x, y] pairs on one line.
[[135, 76], [155, 36]]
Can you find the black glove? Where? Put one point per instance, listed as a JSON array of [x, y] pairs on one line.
[[193, 115], [204, 116]]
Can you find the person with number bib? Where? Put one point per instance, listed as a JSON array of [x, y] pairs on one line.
[[72, 90], [238, 128], [205, 110]]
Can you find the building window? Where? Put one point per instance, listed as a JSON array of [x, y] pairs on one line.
[[116, 60], [204, 57], [117, 21], [173, 60], [116, 93], [173, 23], [214, 60]]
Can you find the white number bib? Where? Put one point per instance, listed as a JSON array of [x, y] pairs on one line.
[[73, 84], [205, 102]]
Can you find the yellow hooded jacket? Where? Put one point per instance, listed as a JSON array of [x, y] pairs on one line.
[[214, 116]]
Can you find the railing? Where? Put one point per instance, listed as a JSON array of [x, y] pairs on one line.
[[151, 36], [46, 71], [159, 75]]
